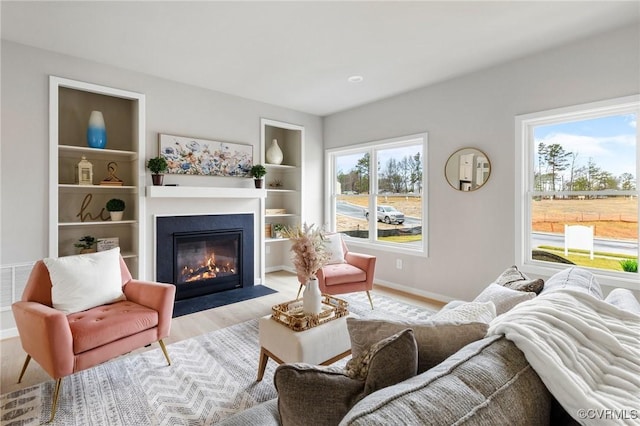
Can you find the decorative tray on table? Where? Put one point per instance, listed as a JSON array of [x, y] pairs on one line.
[[291, 313]]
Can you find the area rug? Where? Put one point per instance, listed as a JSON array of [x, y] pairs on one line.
[[211, 378]]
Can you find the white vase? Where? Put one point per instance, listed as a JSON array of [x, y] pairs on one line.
[[312, 298], [274, 153], [116, 216]]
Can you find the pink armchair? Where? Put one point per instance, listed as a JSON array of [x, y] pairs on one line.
[[65, 344], [356, 274]]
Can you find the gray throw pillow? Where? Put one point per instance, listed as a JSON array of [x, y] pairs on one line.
[[516, 280], [317, 395], [436, 340], [504, 298], [323, 395], [467, 312]]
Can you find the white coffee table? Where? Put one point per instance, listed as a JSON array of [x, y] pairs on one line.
[[320, 345]]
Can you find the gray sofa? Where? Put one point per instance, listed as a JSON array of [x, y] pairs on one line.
[[486, 382]]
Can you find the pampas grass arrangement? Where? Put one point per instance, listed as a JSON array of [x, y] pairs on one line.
[[309, 253]]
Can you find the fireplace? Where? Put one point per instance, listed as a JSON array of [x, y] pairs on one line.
[[205, 254]]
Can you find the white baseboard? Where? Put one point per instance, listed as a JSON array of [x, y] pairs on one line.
[[8, 333], [414, 291]]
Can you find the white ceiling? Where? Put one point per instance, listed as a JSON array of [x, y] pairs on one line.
[[299, 54]]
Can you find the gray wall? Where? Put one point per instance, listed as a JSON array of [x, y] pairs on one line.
[[172, 108], [471, 235]]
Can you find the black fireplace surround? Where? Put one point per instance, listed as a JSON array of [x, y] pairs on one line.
[[171, 230]]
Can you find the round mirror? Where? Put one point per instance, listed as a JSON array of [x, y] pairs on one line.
[[467, 169]]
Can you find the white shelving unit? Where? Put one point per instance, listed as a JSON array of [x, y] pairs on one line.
[[70, 104], [283, 183]]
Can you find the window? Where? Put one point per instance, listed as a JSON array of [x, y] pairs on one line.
[[578, 195], [377, 193]]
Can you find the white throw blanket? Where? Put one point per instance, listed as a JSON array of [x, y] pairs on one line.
[[585, 350]]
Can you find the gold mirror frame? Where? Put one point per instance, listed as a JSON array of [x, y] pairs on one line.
[[467, 169]]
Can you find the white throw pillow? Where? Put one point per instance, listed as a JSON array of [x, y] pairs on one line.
[[333, 245], [85, 281], [483, 312], [503, 298]]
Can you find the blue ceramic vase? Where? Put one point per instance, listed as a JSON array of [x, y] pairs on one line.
[[96, 132]]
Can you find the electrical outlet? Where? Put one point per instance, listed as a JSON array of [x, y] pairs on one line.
[[398, 263]]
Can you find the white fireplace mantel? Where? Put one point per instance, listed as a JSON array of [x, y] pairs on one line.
[[204, 192]]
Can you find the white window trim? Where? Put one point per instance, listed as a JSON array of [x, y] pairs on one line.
[[331, 195], [525, 163]]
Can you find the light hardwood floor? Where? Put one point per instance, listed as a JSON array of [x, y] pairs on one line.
[[12, 356]]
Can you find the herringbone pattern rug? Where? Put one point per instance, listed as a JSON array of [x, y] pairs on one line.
[[211, 378]]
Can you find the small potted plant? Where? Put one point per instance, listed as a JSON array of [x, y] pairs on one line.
[[157, 165], [115, 206], [258, 171], [278, 228], [86, 244]]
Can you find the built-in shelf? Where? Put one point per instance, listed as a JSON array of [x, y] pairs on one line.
[[273, 240], [97, 153], [71, 187], [281, 215], [97, 223], [282, 190], [204, 192], [280, 166]]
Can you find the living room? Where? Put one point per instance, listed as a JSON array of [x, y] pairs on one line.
[[471, 236]]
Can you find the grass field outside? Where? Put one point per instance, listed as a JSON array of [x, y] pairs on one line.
[[613, 218]]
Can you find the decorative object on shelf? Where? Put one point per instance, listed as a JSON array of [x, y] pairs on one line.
[[309, 255], [116, 209], [85, 205], [276, 183], [112, 179], [267, 230], [85, 172], [158, 166], [189, 156], [258, 171], [467, 169], [278, 228], [275, 211], [86, 244], [96, 131], [274, 153], [105, 244]]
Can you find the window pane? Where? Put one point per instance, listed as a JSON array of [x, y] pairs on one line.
[[399, 197], [589, 156], [352, 191], [586, 155]]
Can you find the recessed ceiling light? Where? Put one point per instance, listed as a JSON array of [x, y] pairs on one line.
[[355, 79]]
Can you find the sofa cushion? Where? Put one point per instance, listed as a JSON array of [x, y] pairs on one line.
[[514, 279], [574, 278], [624, 299], [386, 362], [323, 395], [85, 281], [105, 324], [342, 273], [502, 297], [488, 382], [467, 312], [435, 340]]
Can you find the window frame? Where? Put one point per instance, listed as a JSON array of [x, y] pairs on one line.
[[372, 147], [525, 189]]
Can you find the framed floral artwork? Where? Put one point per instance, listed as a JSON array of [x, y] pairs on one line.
[[191, 156]]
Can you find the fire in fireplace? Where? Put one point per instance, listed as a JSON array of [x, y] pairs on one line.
[[203, 257], [205, 254]]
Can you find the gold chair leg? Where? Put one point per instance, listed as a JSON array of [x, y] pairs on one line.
[[299, 290], [24, 367], [370, 301], [54, 405], [164, 351]]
